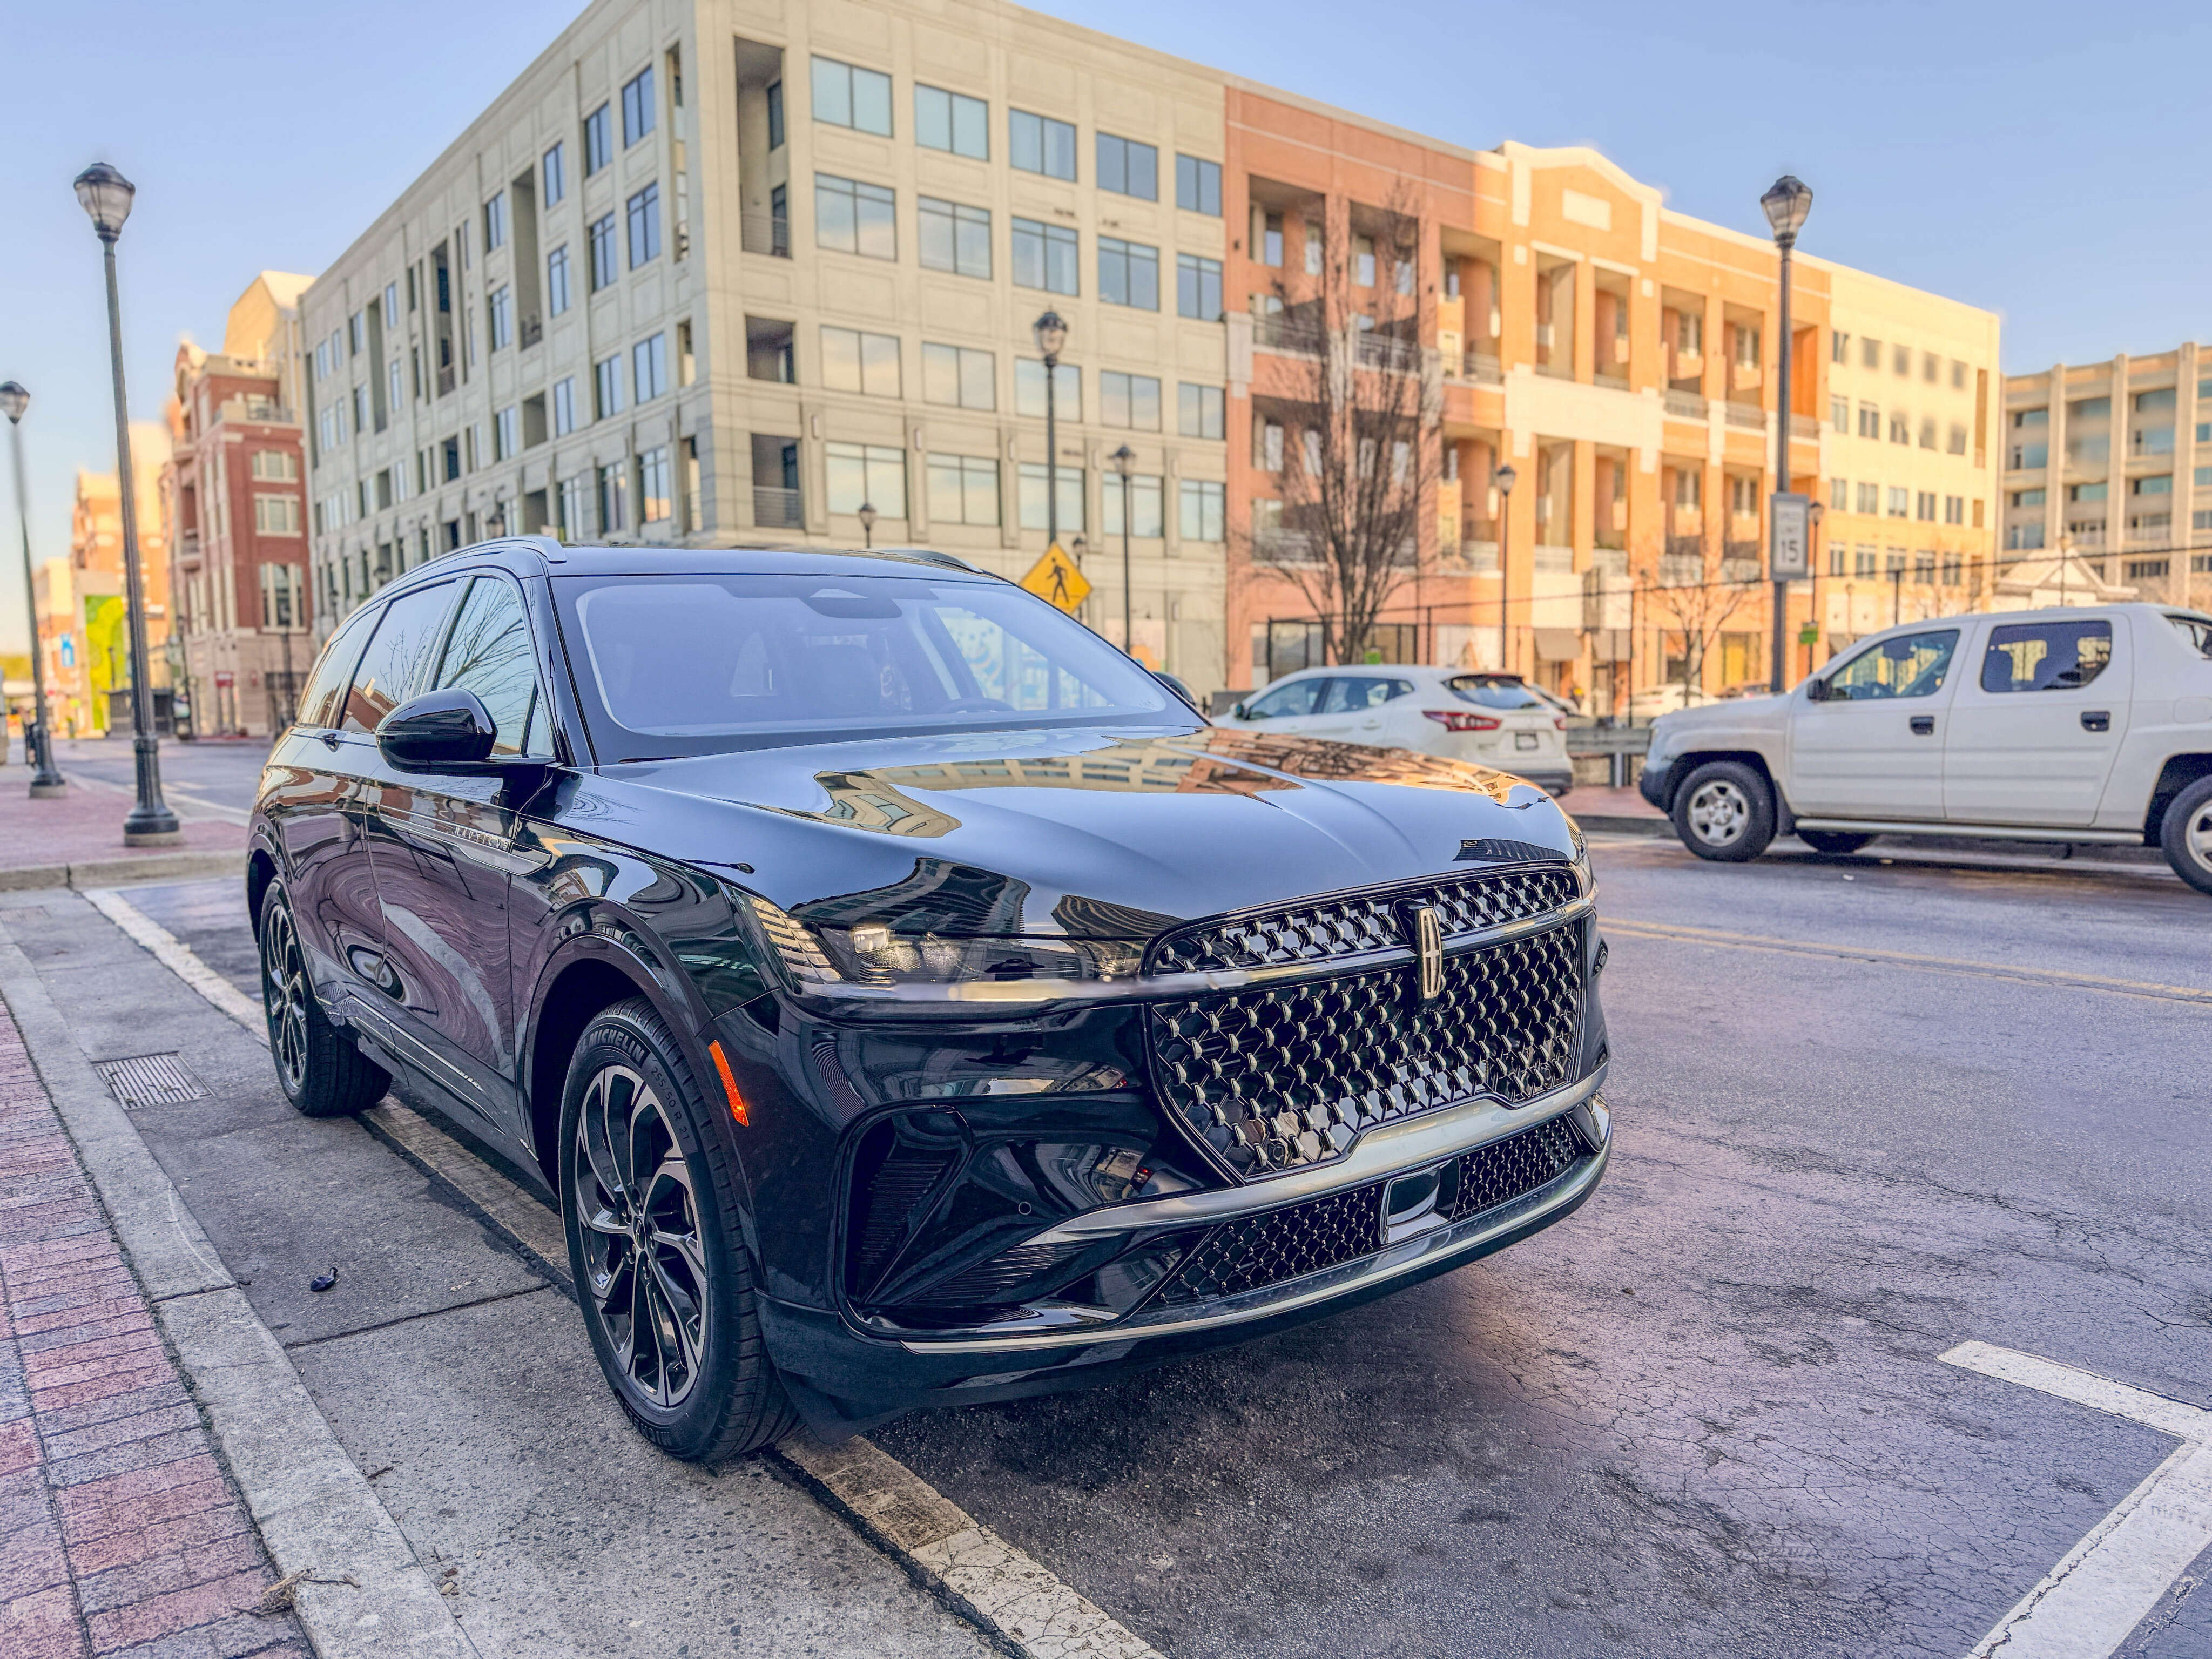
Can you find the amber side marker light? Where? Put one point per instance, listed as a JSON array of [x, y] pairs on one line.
[[730, 1085]]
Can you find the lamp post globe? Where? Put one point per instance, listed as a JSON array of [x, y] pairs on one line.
[[106, 197], [1507, 477], [867, 517], [47, 780], [1051, 333], [1787, 201]]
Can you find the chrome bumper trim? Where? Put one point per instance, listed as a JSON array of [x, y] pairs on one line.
[[1392, 1263]]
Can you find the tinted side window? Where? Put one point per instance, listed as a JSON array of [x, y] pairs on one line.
[[1349, 695], [488, 653], [333, 669], [1297, 697], [1911, 666], [2052, 656], [396, 651], [1493, 693]]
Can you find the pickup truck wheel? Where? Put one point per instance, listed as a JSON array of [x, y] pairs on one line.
[[1832, 843], [2186, 834], [1724, 812]]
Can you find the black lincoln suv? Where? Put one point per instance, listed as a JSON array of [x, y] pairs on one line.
[[907, 999]]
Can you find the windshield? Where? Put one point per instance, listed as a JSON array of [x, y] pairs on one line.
[[1493, 693], [695, 664]]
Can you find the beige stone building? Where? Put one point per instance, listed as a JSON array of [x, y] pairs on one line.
[[726, 274]]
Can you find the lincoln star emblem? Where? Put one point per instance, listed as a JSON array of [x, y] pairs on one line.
[[1429, 951]]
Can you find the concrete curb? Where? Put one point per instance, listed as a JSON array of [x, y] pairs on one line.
[[1622, 824], [111, 872], [314, 1508]]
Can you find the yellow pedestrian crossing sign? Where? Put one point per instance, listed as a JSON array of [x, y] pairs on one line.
[[1055, 580]]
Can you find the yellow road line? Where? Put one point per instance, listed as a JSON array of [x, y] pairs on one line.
[[2051, 976]]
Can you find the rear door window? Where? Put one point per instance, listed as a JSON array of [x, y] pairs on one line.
[[1910, 666], [1298, 697], [403, 636], [1349, 694], [2046, 656]]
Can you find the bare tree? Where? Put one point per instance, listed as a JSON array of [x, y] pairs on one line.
[[1350, 423], [1699, 609]]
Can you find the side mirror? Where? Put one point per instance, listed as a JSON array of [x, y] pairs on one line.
[[1816, 690], [1241, 711], [1177, 687], [447, 730]]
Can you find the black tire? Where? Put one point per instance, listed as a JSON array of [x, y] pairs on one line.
[[319, 1066], [2186, 834], [703, 1388], [1833, 842], [1724, 812]]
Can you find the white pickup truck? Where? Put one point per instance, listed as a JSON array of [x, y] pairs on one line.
[[2078, 724]]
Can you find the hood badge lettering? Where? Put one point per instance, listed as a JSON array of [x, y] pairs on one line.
[[1428, 942]]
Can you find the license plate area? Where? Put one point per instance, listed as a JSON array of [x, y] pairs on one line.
[[1420, 1202], [1525, 739]]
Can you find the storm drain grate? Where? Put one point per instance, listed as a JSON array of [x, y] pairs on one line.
[[151, 1080]]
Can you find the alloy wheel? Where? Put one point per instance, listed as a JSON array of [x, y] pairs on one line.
[[644, 1257], [2197, 837], [1719, 813], [284, 996]]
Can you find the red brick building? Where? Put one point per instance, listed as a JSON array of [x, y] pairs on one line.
[[233, 497]]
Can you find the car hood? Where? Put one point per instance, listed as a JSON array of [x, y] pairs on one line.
[[1724, 713], [1086, 833]]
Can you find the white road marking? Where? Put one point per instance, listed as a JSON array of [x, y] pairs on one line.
[[195, 805], [2104, 1586], [999, 1586]]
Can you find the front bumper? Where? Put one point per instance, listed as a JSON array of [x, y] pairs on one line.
[[844, 1379], [1652, 783]]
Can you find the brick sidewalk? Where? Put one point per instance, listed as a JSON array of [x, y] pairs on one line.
[[119, 1532], [84, 824]]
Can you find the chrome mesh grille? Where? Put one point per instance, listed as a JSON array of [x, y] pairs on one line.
[[1318, 929], [1278, 1077]]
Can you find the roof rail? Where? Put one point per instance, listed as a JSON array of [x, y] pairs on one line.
[[931, 555]]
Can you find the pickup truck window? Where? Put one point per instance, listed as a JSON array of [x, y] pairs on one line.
[[2196, 631], [2052, 656], [1913, 666]]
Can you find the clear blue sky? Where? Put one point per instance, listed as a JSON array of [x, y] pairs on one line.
[[2046, 160]]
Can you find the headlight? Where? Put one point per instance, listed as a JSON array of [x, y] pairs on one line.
[[877, 954]]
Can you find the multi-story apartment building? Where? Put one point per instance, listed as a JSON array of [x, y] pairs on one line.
[[236, 516], [2111, 463], [709, 274], [82, 613]]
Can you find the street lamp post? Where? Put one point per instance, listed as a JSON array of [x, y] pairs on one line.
[[106, 196], [38, 745], [1124, 459], [1507, 477], [1787, 202], [1815, 513], [1051, 331], [867, 517]]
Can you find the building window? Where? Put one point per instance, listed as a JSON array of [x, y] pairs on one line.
[[1203, 517], [1923, 507], [556, 280], [494, 216], [2023, 537], [2024, 419], [1267, 237], [1839, 347], [1900, 427], [614, 498], [1145, 498], [1931, 366], [1900, 361], [393, 386], [846, 95], [1928, 432], [357, 332], [1034, 477], [655, 493], [1839, 495], [574, 496], [391, 305], [564, 405], [1310, 234], [853, 361], [277, 516], [648, 368], [1869, 353], [273, 464], [601, 236], [499, 308], [951, 121], [606, 388], [1129, 168], [1129, 274], [1038, 143], [637, 106], [1363, 262], [1044, 256], [2162, 484], [1198, 186], [359, 411], [959, 376], [851, 217], [1029, 389], [643, 211], [955, 237], [1956, 443], [776, 115], [1954, 509], [1198, 287], [1839, 414], [598, 140], [873, 475], [1900, 503], [1129, 400], [1199, 411], [556, 175], [963, 489], [507, 434]]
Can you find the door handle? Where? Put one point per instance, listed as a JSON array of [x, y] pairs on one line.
[[1923, 726], [2096, 720]]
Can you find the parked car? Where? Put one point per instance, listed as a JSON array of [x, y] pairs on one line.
[[907, 999], [1494, 720], [2077, 724]]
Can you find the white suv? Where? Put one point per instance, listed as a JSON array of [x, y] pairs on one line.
[[2079, 724], [1494, 720]]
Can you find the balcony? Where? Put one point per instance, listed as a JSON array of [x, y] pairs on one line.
[[763, 233], [1749, 417], [264, 410], [1687, 405], [1482, 368], [1742, 571], [1388, 354], [1617, 382], [1804, 426], [1285, 334], [1553, 561], [1284, 547], [777, 509], [533, 331], [1681, 569]]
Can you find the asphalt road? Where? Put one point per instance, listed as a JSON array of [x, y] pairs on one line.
[[217, 779], [1865, 1112]]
